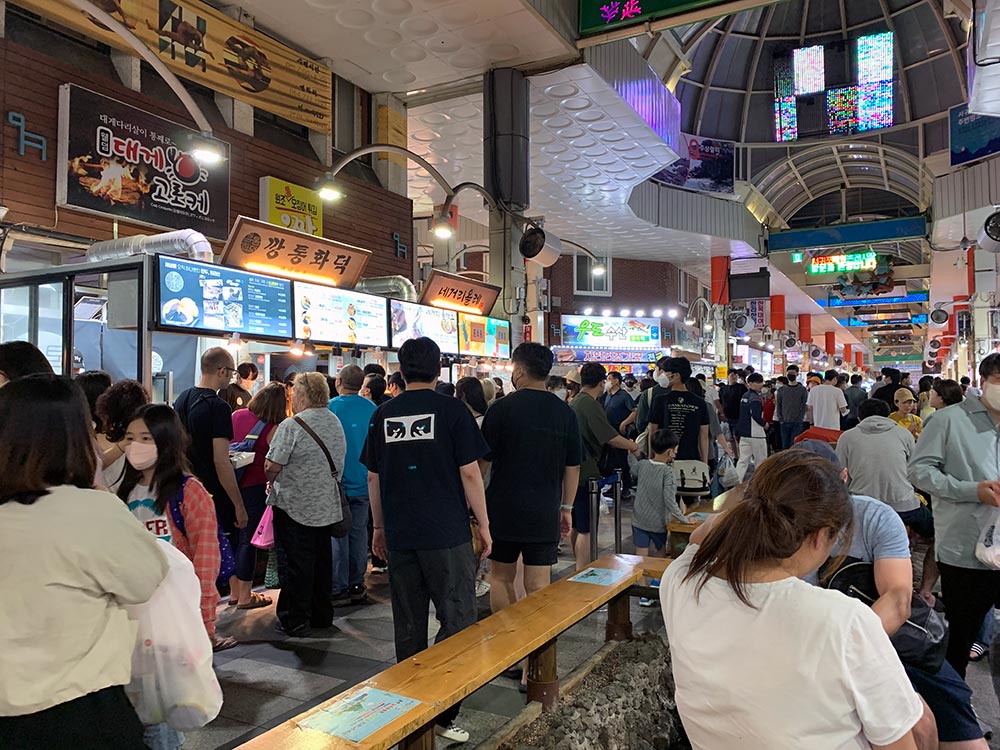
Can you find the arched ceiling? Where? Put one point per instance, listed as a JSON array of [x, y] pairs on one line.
[[729, 91]]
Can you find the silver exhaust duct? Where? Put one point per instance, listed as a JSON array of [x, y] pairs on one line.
[[398, 287], [183, 242]]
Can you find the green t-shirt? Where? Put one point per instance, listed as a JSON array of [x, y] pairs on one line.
[[595, 430]]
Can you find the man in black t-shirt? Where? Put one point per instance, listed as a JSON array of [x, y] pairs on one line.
[[681, 412], [422, 455], [209, 423], [530, 432]]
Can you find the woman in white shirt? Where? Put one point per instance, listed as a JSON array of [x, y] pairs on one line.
[[763, 660]]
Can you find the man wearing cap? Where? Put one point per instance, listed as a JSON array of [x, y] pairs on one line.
[[679, 410], [906, 403]]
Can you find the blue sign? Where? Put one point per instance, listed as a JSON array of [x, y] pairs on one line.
[[859, 233], [217, 299], [971, 136], [914, 320], [912, 298]]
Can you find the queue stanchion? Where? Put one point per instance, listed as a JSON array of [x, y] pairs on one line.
[[618, 511], [594, 490]]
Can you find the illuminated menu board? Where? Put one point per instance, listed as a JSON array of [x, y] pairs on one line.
[[411, 321], [326, 314], [205, 297], [483, 337]]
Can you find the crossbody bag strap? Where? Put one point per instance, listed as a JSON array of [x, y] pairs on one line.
[[312, 433]]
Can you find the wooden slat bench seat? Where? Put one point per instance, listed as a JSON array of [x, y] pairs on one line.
[[450, 671]]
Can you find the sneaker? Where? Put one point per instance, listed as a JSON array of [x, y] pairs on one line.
[[380, 569], [302, 631], [655, 583], [358, 595], [452, 733], [341, 600], [644, 602], [482, 588]]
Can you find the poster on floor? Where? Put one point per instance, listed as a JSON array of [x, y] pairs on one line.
[[129, 164], [357, 715], [707, 165], [971, 136]]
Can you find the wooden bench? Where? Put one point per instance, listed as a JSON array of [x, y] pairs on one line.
[[449, 671]]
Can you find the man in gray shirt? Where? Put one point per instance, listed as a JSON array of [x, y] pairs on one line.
[[790, 408], [855, 395]]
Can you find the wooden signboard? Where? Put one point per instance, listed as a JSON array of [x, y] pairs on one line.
[[454, 292]]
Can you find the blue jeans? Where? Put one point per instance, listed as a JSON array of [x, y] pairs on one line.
[[350, 553], [790, 431], [162, 737], [254, 500]]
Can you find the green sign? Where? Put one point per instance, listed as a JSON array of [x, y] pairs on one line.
[[597, 16], [843, 263], [888, 359]]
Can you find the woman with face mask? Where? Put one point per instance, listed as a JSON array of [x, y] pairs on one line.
[[174, 506]]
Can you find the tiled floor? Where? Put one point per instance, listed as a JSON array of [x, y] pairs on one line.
[[270, 678]]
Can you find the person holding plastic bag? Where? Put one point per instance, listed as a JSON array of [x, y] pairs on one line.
[[175, 506], [957, 462], [174, 687], [71, 560]]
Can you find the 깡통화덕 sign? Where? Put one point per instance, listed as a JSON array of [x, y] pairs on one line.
[[260, 246], [610, 333]]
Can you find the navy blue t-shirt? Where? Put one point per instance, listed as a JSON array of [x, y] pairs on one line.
[[416, 443]]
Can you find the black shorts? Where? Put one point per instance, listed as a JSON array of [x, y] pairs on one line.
[[531, 553], [950, 700], [920, 520], [581, 511]]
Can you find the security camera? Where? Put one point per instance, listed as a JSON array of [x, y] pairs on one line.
[[940, 316], [815, 352], [791, 342], [934, 345], [989, 235], [740, 321], [542, 247]]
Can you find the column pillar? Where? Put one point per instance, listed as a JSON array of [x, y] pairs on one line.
[[391, 127], [237, 115], [848, 355], [859, 359], [778, 312], [128, 67], [720, 301], [831, 343]]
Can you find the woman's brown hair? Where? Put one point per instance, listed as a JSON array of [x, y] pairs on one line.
[[791, 496], [270, 403], [47, 438]]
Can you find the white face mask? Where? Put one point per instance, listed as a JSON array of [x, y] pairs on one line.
[[991, 395], [663, 380], [560, 393]]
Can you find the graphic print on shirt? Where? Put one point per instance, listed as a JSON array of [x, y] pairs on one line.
[[155, 523], [409, 429]]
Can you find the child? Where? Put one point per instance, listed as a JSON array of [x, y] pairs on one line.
[[655, 500], [160, 491]]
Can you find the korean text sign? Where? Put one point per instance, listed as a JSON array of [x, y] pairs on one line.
[[117, 160], [603, 15], [610, 333], [483, 337], [291, 206], [259, 246], [454, 292]]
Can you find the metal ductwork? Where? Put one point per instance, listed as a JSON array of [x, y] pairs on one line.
[[184, 242], [398, 287]]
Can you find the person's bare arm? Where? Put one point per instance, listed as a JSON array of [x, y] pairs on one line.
[[906, 742], [272, 469], [571, 480], [475, 496], [894, 581], [629, 420], [227, 478], [703, 441], [378, 522], [619, 441]]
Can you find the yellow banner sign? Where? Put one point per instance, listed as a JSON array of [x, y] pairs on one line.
[[203, 44], [266, 248], [291, 206]]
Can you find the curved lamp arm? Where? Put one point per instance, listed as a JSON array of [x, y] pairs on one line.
[[586, 252], [446, 209], [147, 54], [389, 148]]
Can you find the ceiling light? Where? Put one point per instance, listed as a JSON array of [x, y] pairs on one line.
[[640, 313], [295, 348], [443, 230], [328, 189], [309, 349], [689, 321], [606, 313], [746, 339], [208, 151], [672, 313], [709, 326], [588, 311], [624, 312], [770, 347], [598, 269], [657, 313]]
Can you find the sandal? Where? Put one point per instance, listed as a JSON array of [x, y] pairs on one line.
[[256, 601], [978, 651], [223, 644]]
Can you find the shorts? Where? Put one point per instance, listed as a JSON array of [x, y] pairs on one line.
[[950, 700], [647, 539], [920, 520], [581, 511], [531, 553]]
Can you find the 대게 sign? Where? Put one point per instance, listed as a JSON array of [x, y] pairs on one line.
[[291, 206], [610, 333], [117, 160], [454, 292], [259, 246], [203, 44]]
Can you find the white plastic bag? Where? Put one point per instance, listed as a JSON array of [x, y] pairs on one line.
[[172, 677], [726, 470], [988, 543]]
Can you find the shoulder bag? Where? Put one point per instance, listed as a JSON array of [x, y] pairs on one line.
[[643, 438], [341, 528]]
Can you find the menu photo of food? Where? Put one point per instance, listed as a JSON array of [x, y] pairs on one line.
[[412, 321]]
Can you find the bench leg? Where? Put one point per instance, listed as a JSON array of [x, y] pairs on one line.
[[543, 682], [422, 739], [619, 627]]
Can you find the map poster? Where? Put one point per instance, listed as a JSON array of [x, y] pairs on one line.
[[357, 715]]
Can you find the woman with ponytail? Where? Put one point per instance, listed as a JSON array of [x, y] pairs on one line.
[[765, 661]]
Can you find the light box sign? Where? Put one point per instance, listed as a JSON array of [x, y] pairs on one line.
[[568, 355], [123, 162], [597, 16], [204, 297], [610, 333], [260, 246], [413, 321], [882, 320], [912, 298], [291, 206], [709, 165], [479, 336], [971, 136], [454, 292], [843, 263], [328, 315]]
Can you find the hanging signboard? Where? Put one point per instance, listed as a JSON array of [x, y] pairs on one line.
[[910, 298], [842, 263], [708, 165], [330, 315], [610, 333], [597, 16], [259, 246], [454, 292], [291, 206], [119, 161], [971, 137], [208, 47], [568, 354]]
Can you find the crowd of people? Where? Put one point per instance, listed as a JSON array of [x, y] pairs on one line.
[[427, 480]]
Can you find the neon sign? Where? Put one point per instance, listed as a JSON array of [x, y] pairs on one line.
[[845, 263]]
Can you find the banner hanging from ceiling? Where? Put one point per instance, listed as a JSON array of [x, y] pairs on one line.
[[597, 16], [707, 165], [206, 46], [123, 162], [971, 136]]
